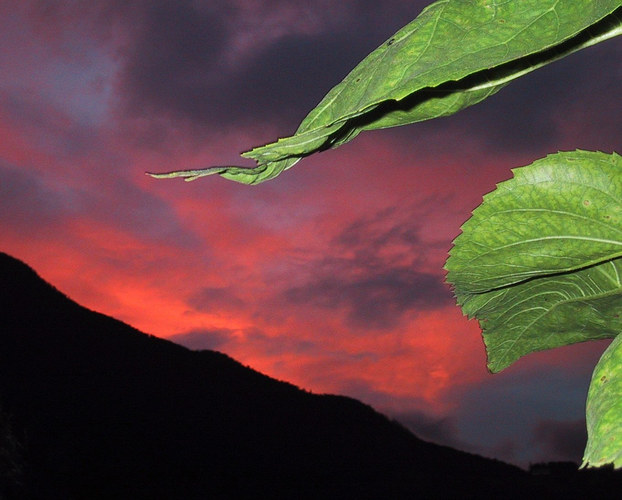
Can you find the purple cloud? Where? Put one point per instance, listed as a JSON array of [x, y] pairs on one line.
[[372, 269]]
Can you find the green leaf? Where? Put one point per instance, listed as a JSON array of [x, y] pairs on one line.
[[453, 55], [604, 410], [548, 312], [539, 262], [562, 213]]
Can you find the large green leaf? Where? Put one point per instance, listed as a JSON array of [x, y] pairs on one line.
[[453, 55], [604, 410], [540, 260]]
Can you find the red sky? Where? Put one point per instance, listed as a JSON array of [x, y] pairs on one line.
[[329, 276]]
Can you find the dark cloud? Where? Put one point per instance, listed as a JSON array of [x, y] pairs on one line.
[[375, 300], [560, 440], [215, 299], [176, 58], [282, 82], [371, 270], [203, 339], [279, 345], [31, 204], [287, 79], [57, 23], [177, 63], [367, 237]]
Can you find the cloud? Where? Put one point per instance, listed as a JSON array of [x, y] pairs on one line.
[[206, 339], [371, 270], [560, 440], [194, 62], [30, 202], [275, 350], [42, 207], [224, 64], [122, 205], [177, 50], [214, 299], [374, 299]]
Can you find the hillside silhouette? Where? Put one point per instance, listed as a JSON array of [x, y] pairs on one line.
[[92, 408]]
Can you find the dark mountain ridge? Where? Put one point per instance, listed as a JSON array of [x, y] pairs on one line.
[[101, 410]]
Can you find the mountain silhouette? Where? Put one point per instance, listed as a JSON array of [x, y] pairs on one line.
[[92, 408]]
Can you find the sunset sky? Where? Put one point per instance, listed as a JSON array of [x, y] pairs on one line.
[[330, 276]]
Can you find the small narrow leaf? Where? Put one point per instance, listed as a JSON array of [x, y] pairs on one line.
[[539, 263], [604, 410], [453, 55]]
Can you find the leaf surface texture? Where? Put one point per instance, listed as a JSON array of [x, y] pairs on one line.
[[604, 410], [539, 263], [456, 53]]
